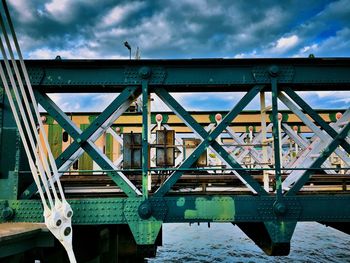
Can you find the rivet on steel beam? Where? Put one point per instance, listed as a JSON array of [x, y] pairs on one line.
[[8, 213]]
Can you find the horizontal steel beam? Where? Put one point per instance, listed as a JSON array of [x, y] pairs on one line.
[[200, 208], [246, 117], [188, 75]]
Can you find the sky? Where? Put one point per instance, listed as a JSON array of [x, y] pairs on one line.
[[175, 29]]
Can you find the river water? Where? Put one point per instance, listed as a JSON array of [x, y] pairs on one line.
[[224, 242]]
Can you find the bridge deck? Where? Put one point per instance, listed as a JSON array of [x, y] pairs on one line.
[[16, 238], [11, 231]]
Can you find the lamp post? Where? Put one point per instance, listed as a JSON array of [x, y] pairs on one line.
[[127, 45]]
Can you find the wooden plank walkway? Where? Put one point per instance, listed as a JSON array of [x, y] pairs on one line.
[[16, 238], [10, 231]]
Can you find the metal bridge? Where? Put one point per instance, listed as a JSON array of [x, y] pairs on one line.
[[262, 170]]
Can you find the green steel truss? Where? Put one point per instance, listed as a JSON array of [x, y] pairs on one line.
[[274, 214]]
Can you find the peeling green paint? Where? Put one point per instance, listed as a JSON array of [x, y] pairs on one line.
[[215, 209]]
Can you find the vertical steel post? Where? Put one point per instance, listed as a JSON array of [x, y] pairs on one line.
[[149, 139], [263, 138], [145, 73], [273, 71], [145, 139]]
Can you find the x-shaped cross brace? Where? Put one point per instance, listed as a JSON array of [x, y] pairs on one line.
[[339, 139], [208, 140], [84, 140], [322, 136], [314, 115]]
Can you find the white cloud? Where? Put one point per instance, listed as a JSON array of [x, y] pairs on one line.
[[61, 10], [111, 33], [83, 102], [252, 54], [284, 44], [24, 9], [71, 53], [57, 6], [203, 7], [307, 48], [333, 46], [326, 99], [121, 12], [156, 32]]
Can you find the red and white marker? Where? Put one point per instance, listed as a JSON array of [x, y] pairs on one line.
[[280, 116], [251, 128], [338, 115], [218, 117], [43, 119], [159, 119]]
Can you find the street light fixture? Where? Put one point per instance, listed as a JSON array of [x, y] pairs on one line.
[[127, 45]]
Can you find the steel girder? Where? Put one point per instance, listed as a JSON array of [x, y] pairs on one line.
[[193, 75], [274, 213], [198, 208]]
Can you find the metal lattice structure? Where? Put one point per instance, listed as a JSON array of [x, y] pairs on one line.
[[267, 212]]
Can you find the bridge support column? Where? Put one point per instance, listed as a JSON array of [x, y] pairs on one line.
[[145, 219], [273, 237]]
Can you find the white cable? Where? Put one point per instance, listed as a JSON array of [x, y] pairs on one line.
[[32, 97], [23, 138], [25, 122], [58, 219], [25, 100]]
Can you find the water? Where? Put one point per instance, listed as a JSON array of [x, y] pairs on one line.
[[311, 242]]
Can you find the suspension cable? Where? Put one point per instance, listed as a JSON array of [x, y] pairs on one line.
[[58, 214]]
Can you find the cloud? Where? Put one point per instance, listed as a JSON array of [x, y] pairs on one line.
[[57, 7], [121, 12], [183, 29], [76, 53], [60, 10], [80, 102], [284, 44], [24, 8]]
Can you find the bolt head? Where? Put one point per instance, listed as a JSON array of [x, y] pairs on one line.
[[145, 210], [274, 70], [58, 222], [279, 208], [145, 72], [67, 231], [8, 213]]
